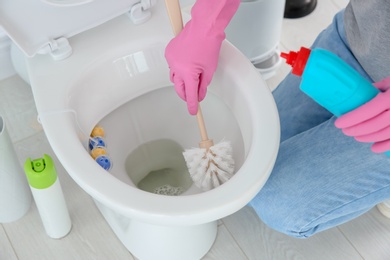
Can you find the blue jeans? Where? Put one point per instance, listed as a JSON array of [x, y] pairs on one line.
[[321, 177]]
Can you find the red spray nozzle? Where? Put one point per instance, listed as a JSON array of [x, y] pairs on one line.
[[290, 57], [297, 60]]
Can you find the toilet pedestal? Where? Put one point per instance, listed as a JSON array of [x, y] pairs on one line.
[[149, 242]]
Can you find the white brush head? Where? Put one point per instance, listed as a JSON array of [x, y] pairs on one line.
[[209, 168]]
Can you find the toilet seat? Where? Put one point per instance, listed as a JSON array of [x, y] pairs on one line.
[[45, 26]]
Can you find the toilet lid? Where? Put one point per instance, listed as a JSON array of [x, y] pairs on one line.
[[34, 24]]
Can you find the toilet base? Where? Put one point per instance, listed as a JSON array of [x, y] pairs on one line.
[[149, 241], [268, 63]]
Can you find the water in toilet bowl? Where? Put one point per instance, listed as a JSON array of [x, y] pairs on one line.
[[161, 165]]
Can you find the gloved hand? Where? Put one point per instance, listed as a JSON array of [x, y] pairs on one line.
[[193, 54], [370, 122]]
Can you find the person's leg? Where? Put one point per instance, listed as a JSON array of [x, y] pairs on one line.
[[321, 177]]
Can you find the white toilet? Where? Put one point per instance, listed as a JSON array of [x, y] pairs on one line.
[[113, 73]]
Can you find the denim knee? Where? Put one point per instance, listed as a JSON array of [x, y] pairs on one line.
[[282, 219]]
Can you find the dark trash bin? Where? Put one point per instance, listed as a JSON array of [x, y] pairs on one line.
[[299, 8]]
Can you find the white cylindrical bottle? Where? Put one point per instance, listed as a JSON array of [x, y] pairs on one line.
[[256, 27], [255, 30], [48, 196], [15, 195]]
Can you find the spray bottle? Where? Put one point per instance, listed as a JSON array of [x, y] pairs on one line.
[[330, 81], [48, 196]]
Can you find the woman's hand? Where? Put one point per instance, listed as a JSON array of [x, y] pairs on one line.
[[370, 122], [193, 54]]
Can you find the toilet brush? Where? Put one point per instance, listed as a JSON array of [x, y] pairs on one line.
[[209, 165]]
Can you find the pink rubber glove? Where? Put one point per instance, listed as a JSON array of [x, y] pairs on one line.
[[193, 54], [370, 122]]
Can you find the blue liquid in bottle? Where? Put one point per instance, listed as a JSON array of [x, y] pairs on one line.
[[330, 81]]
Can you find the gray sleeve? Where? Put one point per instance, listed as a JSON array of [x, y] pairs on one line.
[[367, 27]]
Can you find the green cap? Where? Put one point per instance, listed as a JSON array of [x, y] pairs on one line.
[[41, 172]]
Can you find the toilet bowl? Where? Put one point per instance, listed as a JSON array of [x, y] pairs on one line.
[[117, 78]]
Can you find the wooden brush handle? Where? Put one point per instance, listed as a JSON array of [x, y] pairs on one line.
[[174, 13], [206, 142], [201, 125]]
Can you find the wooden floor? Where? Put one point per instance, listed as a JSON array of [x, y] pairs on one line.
[[241, 235]]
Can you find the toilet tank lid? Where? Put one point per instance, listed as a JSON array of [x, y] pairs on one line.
[[35, 25]]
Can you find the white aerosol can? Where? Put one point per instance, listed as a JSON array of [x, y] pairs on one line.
[[48, 196]]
